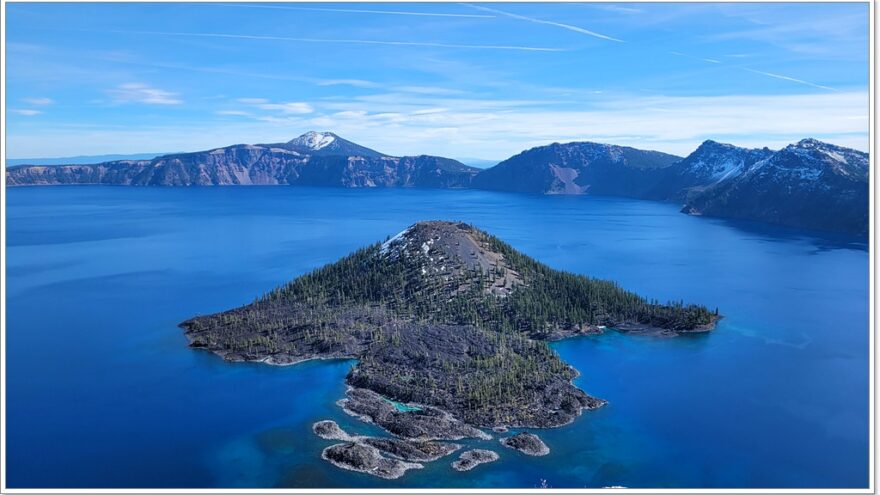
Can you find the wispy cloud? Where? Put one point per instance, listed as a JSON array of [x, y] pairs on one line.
[[835, 33], [569, 27], [142, 93], [357, 83], [619, 9], [347, 41], [759, 72], [38, 101], [291, 107], [359, 11], [465, 128], [787, 78], [296, 107], [26, 112]]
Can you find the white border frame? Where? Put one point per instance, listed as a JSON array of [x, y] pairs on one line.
[[872, 468]]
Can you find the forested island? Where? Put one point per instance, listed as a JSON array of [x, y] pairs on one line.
[[450, 327]]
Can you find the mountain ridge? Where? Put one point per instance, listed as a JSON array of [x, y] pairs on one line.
[[809, 184]]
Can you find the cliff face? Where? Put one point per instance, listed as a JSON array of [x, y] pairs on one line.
[[255, 165]]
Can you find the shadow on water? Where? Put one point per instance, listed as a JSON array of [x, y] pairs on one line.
[[823, 241]]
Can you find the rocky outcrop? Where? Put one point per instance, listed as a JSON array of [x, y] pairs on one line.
[[329, 430], [383, 457], [527, 443], [426, 424], [473, 458], [412, 450], [366, 459]]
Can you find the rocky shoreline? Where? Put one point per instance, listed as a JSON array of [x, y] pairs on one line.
[[385, 457], [429, 423], [366, 459]]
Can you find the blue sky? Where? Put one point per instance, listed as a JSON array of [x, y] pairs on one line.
[[452, 79]]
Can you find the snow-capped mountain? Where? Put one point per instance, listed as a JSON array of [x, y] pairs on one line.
[[313, 140], [578, 168], [710, 164], [809, 184], [327, 143]]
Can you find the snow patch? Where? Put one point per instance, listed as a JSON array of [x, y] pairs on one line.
[[386, 246], [835, 156], [315, 140]]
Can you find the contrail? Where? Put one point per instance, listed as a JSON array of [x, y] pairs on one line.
[[350, 41], [549, 23], [786, 78], [359, 11]]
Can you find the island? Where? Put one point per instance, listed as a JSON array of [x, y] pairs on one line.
[[527, 443], [449, 326], [473, 458]]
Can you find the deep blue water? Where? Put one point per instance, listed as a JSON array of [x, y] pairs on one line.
[[103, 392]]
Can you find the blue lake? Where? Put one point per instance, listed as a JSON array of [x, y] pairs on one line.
[[103, 392]]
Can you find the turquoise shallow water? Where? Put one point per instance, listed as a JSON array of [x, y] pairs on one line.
[[403, 407], [103, 392]]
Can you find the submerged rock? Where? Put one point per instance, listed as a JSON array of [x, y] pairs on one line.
[[366, 459], [473, 458], [527, 443]]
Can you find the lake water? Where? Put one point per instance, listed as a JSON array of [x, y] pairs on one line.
[[103, 392]]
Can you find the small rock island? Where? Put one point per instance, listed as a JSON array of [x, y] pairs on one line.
[[527, 443], [449, 326]]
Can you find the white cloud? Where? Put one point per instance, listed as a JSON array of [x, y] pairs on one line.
[[295, 107], [286, 108], [357, 83], [38, 101], [473, 127], [142, 93], [500, 128], [27, 112]]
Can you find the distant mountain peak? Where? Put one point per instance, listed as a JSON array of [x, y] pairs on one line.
[[810, 143], [327, 143], [710, 144], [314, 140]]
